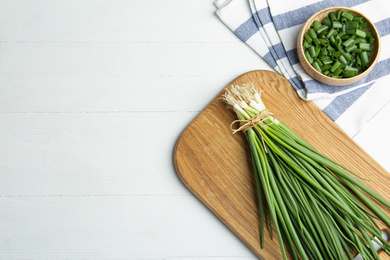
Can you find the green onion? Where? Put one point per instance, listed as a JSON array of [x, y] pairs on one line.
[[364, 46], [360, 33], [322, 28], [335, 66], [364, 57], [348, 16], [308, 57], [350, 48], [338, 71], [308, 38], [358, 19], [352, 25], [336, 24], [327, 61], [330, 33], [316, 206], [349, 41], [312, 33], [312, 51], [327, 22], [332, 16], [316, 41], [340, 37], [316, 66], [306, 45], [316, 25], [343, 60]]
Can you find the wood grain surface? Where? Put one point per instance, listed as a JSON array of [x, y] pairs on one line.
[[214, 163]]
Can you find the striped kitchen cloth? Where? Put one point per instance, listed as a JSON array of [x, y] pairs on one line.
[[271, 28]]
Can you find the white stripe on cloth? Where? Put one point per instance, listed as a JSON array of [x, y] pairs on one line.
[[271, 27]]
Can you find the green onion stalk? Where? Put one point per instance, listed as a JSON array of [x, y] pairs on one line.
[[311, 199]]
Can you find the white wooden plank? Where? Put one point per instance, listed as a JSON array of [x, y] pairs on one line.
[[86, 94], [114, 227], [112, 21], [374, 137], [125, 59], [96, 153]]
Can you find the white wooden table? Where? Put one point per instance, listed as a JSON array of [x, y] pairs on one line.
[[93, 96]]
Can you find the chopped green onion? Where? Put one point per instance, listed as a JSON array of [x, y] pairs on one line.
[[324, 52], [335, 66], [324, 42], [360, 33], [338, 15], [322, 28], [308, 57], [306, 44], [331, 32], [356, 50], [316, 41], [308, 38], [347, 15], [316, 66], [325, 67], [350, 48], [316, 25], [312, 33], [343, 60], [358, 19], [364, 46], [363, 25], [352, 25], [336, 24], [312, 51], [371, 40], [349, 74], [338, 71], [333, 17], [327, 61], [347, 55], [364, 57], [327, 22], [336, 54], [348, 42]]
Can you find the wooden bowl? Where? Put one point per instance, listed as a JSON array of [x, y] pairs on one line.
[[319, 16]]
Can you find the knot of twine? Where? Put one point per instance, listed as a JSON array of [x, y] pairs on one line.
[[259, 119]]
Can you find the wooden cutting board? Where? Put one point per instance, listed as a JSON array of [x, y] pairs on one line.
[[214, 163]]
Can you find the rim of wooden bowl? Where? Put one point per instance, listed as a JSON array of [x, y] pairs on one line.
[[320, 15]]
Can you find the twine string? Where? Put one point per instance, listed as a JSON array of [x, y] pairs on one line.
[[259, 119]]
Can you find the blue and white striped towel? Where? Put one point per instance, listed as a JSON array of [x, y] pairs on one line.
[[271, 28]]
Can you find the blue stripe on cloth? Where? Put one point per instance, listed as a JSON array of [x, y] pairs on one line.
[[297, 83], [279, 48], [300, 15], [293, 56], [277, 51], [341, 103], [247, 29], [265, 16], [383, 27], [381, 69], [271, 49], [270, 60]]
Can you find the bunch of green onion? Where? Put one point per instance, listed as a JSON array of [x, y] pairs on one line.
[[311, 199], [339, 47]]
